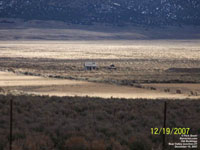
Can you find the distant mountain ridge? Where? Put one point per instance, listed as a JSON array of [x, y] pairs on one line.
[[116, 12]]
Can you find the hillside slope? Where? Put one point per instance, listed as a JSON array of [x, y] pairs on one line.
[[16, 29], [115, 12]]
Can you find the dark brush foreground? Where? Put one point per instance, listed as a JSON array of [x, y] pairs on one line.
[[82, 123]]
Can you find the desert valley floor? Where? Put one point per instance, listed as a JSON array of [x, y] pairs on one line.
[[102, 109], [21, 84], [144, 68]]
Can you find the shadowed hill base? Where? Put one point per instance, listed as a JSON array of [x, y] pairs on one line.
[[55, 30]]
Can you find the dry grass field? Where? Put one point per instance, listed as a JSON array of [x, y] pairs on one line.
[[108, 49], [82, 123], [22, 84], [139, 63]]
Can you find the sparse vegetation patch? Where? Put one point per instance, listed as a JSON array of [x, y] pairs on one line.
[[82, 123]]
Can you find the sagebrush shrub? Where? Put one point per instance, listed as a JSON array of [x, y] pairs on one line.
[[76, 143], [98, 145]]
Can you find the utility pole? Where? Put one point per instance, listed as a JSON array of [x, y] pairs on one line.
[[11, 122], [164, 125]]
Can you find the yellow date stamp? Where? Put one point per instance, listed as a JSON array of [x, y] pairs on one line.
[[170, 131]]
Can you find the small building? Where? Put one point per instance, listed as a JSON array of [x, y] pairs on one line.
[[112, 67], [90, 65]]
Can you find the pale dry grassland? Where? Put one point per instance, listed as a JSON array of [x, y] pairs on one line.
[[135, 49], [137, 61], [21, 84]]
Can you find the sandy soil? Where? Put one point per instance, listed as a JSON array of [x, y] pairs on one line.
[[16, 83]]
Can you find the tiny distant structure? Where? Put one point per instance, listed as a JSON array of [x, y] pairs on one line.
[[112, 67], [90, 65], [11, 70]]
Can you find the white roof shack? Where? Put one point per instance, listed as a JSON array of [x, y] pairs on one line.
[[90, 64]]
